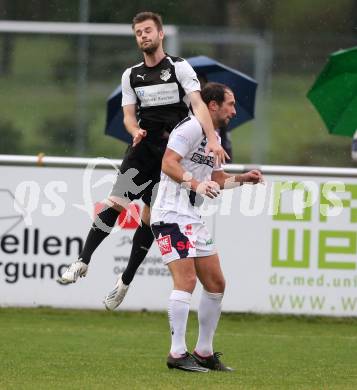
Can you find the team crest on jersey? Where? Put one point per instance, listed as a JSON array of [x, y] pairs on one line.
[[202, 147], [165, 74], [204, 142]]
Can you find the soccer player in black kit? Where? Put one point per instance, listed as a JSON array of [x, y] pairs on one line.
[[157, 94]]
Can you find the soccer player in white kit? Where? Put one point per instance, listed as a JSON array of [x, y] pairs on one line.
[[189, 174], [157, 94]]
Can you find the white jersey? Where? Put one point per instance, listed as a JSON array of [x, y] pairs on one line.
[[174, 203]]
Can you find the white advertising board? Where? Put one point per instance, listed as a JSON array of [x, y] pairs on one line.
[[281, 245], [45, 217]]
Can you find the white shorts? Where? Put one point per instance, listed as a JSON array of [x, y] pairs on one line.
[[182, 241]]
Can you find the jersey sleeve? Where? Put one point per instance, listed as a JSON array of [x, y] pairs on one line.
[[128, 94], [187, 77], [184, 136]]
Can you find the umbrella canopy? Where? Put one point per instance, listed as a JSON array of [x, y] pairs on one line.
[[207, 69], [334, 93]]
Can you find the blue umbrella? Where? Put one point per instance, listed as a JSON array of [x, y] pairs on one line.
[[243, 86]]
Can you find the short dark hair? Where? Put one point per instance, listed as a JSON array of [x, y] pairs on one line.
[[147, 15], [214, 91]]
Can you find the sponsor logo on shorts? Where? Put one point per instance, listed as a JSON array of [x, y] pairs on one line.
[[164, 245], [188, 230], [181, 245], [209, 242]]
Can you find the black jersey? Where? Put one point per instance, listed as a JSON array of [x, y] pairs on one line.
[[160, 93]]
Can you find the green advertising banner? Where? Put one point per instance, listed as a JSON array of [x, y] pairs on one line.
[[290, 246]]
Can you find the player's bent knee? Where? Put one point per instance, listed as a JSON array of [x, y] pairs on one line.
[[216, 285], [145, 215], [192, 281], [221, 285], [188, 283], [116, 203]]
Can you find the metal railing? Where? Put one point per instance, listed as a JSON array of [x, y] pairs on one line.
[[78, 162]]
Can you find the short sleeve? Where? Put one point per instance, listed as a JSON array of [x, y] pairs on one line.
[[184, 136], [128, 94], [187, 77]]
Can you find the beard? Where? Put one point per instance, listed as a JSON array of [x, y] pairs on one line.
[[150, 49], [223, 123]]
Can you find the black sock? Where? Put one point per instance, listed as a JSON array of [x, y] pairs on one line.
[[96, 235], [142, 240]]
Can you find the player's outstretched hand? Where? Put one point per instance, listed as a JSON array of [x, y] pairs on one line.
[[209, 188], [253, 177], [140, 134], [220, 155]]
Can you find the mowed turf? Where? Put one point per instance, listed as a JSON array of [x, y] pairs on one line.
[[73, 349]]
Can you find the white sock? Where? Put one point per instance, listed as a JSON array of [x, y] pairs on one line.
[[179, 307], [209, 311]]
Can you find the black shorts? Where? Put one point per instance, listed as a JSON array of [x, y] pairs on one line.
[[141, 164]]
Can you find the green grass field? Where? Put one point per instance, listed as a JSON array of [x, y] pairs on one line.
[[68, 349]]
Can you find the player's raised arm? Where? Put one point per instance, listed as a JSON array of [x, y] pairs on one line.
[[202, 114]]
